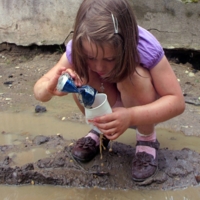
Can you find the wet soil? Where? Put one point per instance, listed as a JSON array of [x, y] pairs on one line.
[[19, 70], [177, 169]]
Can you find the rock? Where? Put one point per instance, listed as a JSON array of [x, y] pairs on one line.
[[40, 109], [192, 100], [40, 139], [8, 82]]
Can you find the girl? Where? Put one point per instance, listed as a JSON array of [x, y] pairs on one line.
[[114, 55]]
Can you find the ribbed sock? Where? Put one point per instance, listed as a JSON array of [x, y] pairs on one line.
[[151, 138], [94, 137]]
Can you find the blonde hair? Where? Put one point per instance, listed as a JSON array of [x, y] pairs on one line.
[[94, 22]]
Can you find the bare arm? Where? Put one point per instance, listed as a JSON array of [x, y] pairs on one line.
[[45, 87]]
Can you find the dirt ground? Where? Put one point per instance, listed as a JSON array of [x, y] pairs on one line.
[[21, 67]]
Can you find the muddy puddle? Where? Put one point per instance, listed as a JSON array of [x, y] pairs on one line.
[[63, 193], [17, 127], [33, 155]]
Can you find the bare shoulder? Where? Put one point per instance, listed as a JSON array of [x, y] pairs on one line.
[[164, 78], [163, 65]]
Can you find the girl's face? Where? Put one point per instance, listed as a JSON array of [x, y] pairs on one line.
[[99, 61]]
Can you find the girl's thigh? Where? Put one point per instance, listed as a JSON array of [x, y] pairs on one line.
[[137, 89]]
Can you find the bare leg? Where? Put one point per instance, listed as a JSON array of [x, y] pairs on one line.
[[136, 91]]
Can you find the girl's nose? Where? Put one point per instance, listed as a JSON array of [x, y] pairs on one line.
[[99, 66]]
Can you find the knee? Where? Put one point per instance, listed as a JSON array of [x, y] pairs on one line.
[[139, 91]]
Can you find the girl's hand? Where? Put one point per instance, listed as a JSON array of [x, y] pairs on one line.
[[45, 87], [52, 82], [114, 124], [51, 86], [78, 82]]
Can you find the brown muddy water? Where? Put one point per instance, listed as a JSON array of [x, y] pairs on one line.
[[17, 126]]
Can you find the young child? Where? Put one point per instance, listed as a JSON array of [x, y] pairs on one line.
[[114, 55]]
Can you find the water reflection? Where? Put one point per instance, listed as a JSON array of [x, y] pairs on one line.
[[63, 193], [15, 131]]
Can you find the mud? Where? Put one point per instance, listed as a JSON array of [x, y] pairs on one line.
[[177, 169]]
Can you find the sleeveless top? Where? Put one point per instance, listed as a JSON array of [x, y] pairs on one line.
[[149, 49]]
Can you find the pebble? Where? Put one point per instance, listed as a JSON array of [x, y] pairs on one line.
[[40, 109], [191, 74], [47, 152]]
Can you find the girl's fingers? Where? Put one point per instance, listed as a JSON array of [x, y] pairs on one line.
[[105, 126], [75, 77], [112, 137], [104, 119], [111, 134]]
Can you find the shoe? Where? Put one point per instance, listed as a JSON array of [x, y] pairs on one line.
[[144, 165], [86, 149]]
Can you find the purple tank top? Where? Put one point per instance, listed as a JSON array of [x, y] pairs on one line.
[[150, 50]]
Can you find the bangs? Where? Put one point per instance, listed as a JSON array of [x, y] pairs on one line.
[[94, 23]]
